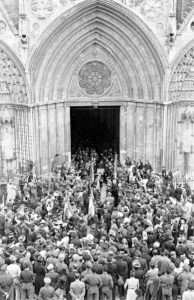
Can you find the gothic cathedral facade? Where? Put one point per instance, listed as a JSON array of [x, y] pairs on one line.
[[137, 55]]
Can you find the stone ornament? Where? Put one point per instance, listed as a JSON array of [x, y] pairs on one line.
[[42, 8], [182, 82], [35, 30], [95, 78], [69, 2], [2, 27]]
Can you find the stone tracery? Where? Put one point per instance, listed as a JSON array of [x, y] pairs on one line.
[[12, 85], [94, 77]]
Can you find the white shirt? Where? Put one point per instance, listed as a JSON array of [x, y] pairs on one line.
[[188, 295], [14, 270]]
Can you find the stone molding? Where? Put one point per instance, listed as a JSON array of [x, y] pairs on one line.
[[83, 5]]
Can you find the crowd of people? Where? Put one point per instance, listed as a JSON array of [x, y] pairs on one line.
[[97, 230]]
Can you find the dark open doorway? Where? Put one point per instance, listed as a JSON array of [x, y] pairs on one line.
[[95, 127]]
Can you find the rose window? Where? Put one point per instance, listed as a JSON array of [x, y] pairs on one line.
[[95, 78]]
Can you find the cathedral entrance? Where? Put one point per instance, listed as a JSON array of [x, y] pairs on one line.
[[95, 127]]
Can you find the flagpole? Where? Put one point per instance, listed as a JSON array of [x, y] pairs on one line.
[[115, 167]]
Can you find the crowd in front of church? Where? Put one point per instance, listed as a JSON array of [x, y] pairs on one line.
[[97, 230]]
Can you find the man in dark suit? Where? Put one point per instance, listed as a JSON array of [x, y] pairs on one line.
[[122, 271]]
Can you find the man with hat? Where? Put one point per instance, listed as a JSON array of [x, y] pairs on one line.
[[46, 292], [61, 268], [54, 276], [139, 273]]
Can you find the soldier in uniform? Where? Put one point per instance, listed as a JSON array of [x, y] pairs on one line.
[[94, 284], [107, 284]]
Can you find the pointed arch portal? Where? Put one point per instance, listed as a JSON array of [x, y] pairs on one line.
[[98, 53], [15, 135]]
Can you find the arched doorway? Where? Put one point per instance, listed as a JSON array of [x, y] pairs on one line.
[[180, 120], [15, 137], [106, 34]]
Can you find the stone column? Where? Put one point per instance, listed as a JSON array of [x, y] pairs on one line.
[[44, 142], [1, 152], [164, 134], [60, 128], [32, 138], [130, 129], [123, 134], [67, 134]]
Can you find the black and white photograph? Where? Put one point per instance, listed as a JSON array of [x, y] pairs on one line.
[[96, 149]]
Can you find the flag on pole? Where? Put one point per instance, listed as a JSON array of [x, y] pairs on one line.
[[91, 208], [115, 167], [67, 212]]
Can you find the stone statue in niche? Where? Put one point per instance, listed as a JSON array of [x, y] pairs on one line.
[[7, 130], [42, 8], [186, 129]]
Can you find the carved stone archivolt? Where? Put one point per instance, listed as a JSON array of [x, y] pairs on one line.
[[182, 81]]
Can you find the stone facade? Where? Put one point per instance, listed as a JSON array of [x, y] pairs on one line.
[[134, 54]]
